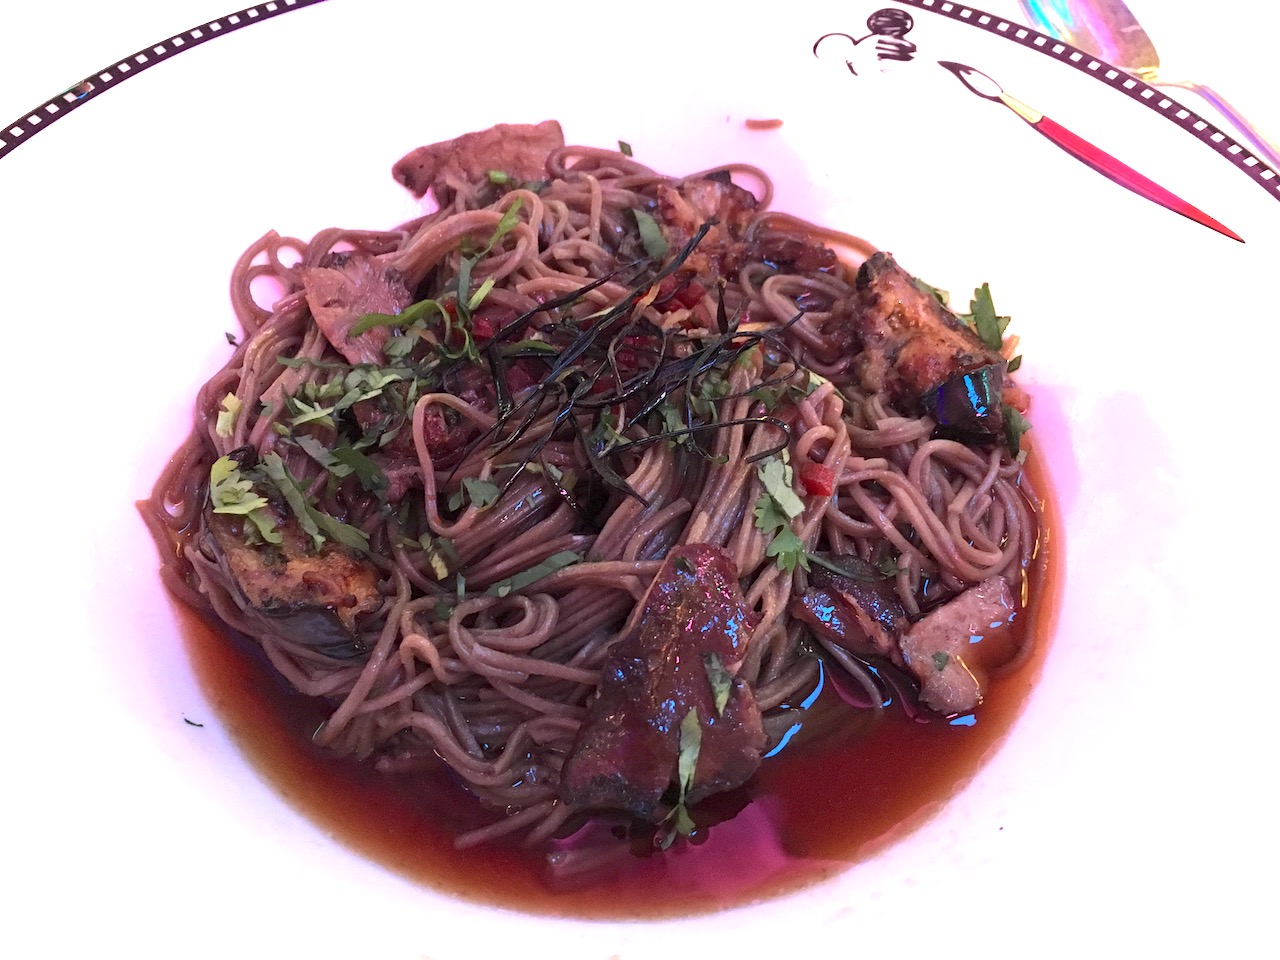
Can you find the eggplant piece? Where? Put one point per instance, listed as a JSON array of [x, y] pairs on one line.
[[317, 598], [865, 612], [969, 407], [909, 343]]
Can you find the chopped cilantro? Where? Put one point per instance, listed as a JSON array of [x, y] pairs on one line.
[[690, 746], [367, 472], [942, 296], [322, 455], [940, 660], [721, 681], [655, 244], [673, 423], [775, 476], [226, 424], [309, 413], [482, 493], [624, 148], [983, 319], [889, 567], [557, 561], [1015, 425], [775, 510], [439, 552], [498, 177], [314, 522], [479, 493], [788, 550], [231, 493]]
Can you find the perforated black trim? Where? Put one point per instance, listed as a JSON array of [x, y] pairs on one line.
[[14, 134]]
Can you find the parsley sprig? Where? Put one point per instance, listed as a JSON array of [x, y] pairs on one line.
[[679, 821], [776, 508], [232, 493]]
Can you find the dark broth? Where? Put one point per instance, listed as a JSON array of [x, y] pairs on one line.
[[810, 812]]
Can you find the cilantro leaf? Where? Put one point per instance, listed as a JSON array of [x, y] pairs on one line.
[[479, 493], [557, 561], [1015, 425], [686, 766], [788, 550], [322, 455], [655, 244], [309, 413], [440, 553], [774, 511], [775, 475], [226, 424], [482, 493], [721, 681], [231, 493], [982, 317], [942, 296], [314, 522], [367, 472], [690, 747]]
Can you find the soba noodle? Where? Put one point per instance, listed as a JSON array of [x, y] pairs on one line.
[[468, 659]]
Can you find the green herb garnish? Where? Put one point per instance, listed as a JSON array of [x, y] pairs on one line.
[[226, 424], [983, 319], [942, 296], [1015, 425], [557, 561], [681, 824], [231, 493], [721, 681], [775, 510], [314, 522], [479, 493], [655, 244]]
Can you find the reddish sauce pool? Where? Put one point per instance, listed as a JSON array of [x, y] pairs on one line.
[[812, 811]]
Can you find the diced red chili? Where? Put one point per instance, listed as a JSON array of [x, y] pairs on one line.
[[673, 294], [691, 294], [817, 479]]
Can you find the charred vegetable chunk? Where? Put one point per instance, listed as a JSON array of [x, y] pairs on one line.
[[313, 596], [857, 609], [968, 406], [670, 681], [911, 344]]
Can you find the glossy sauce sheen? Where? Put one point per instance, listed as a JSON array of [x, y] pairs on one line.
[[813, 811]]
